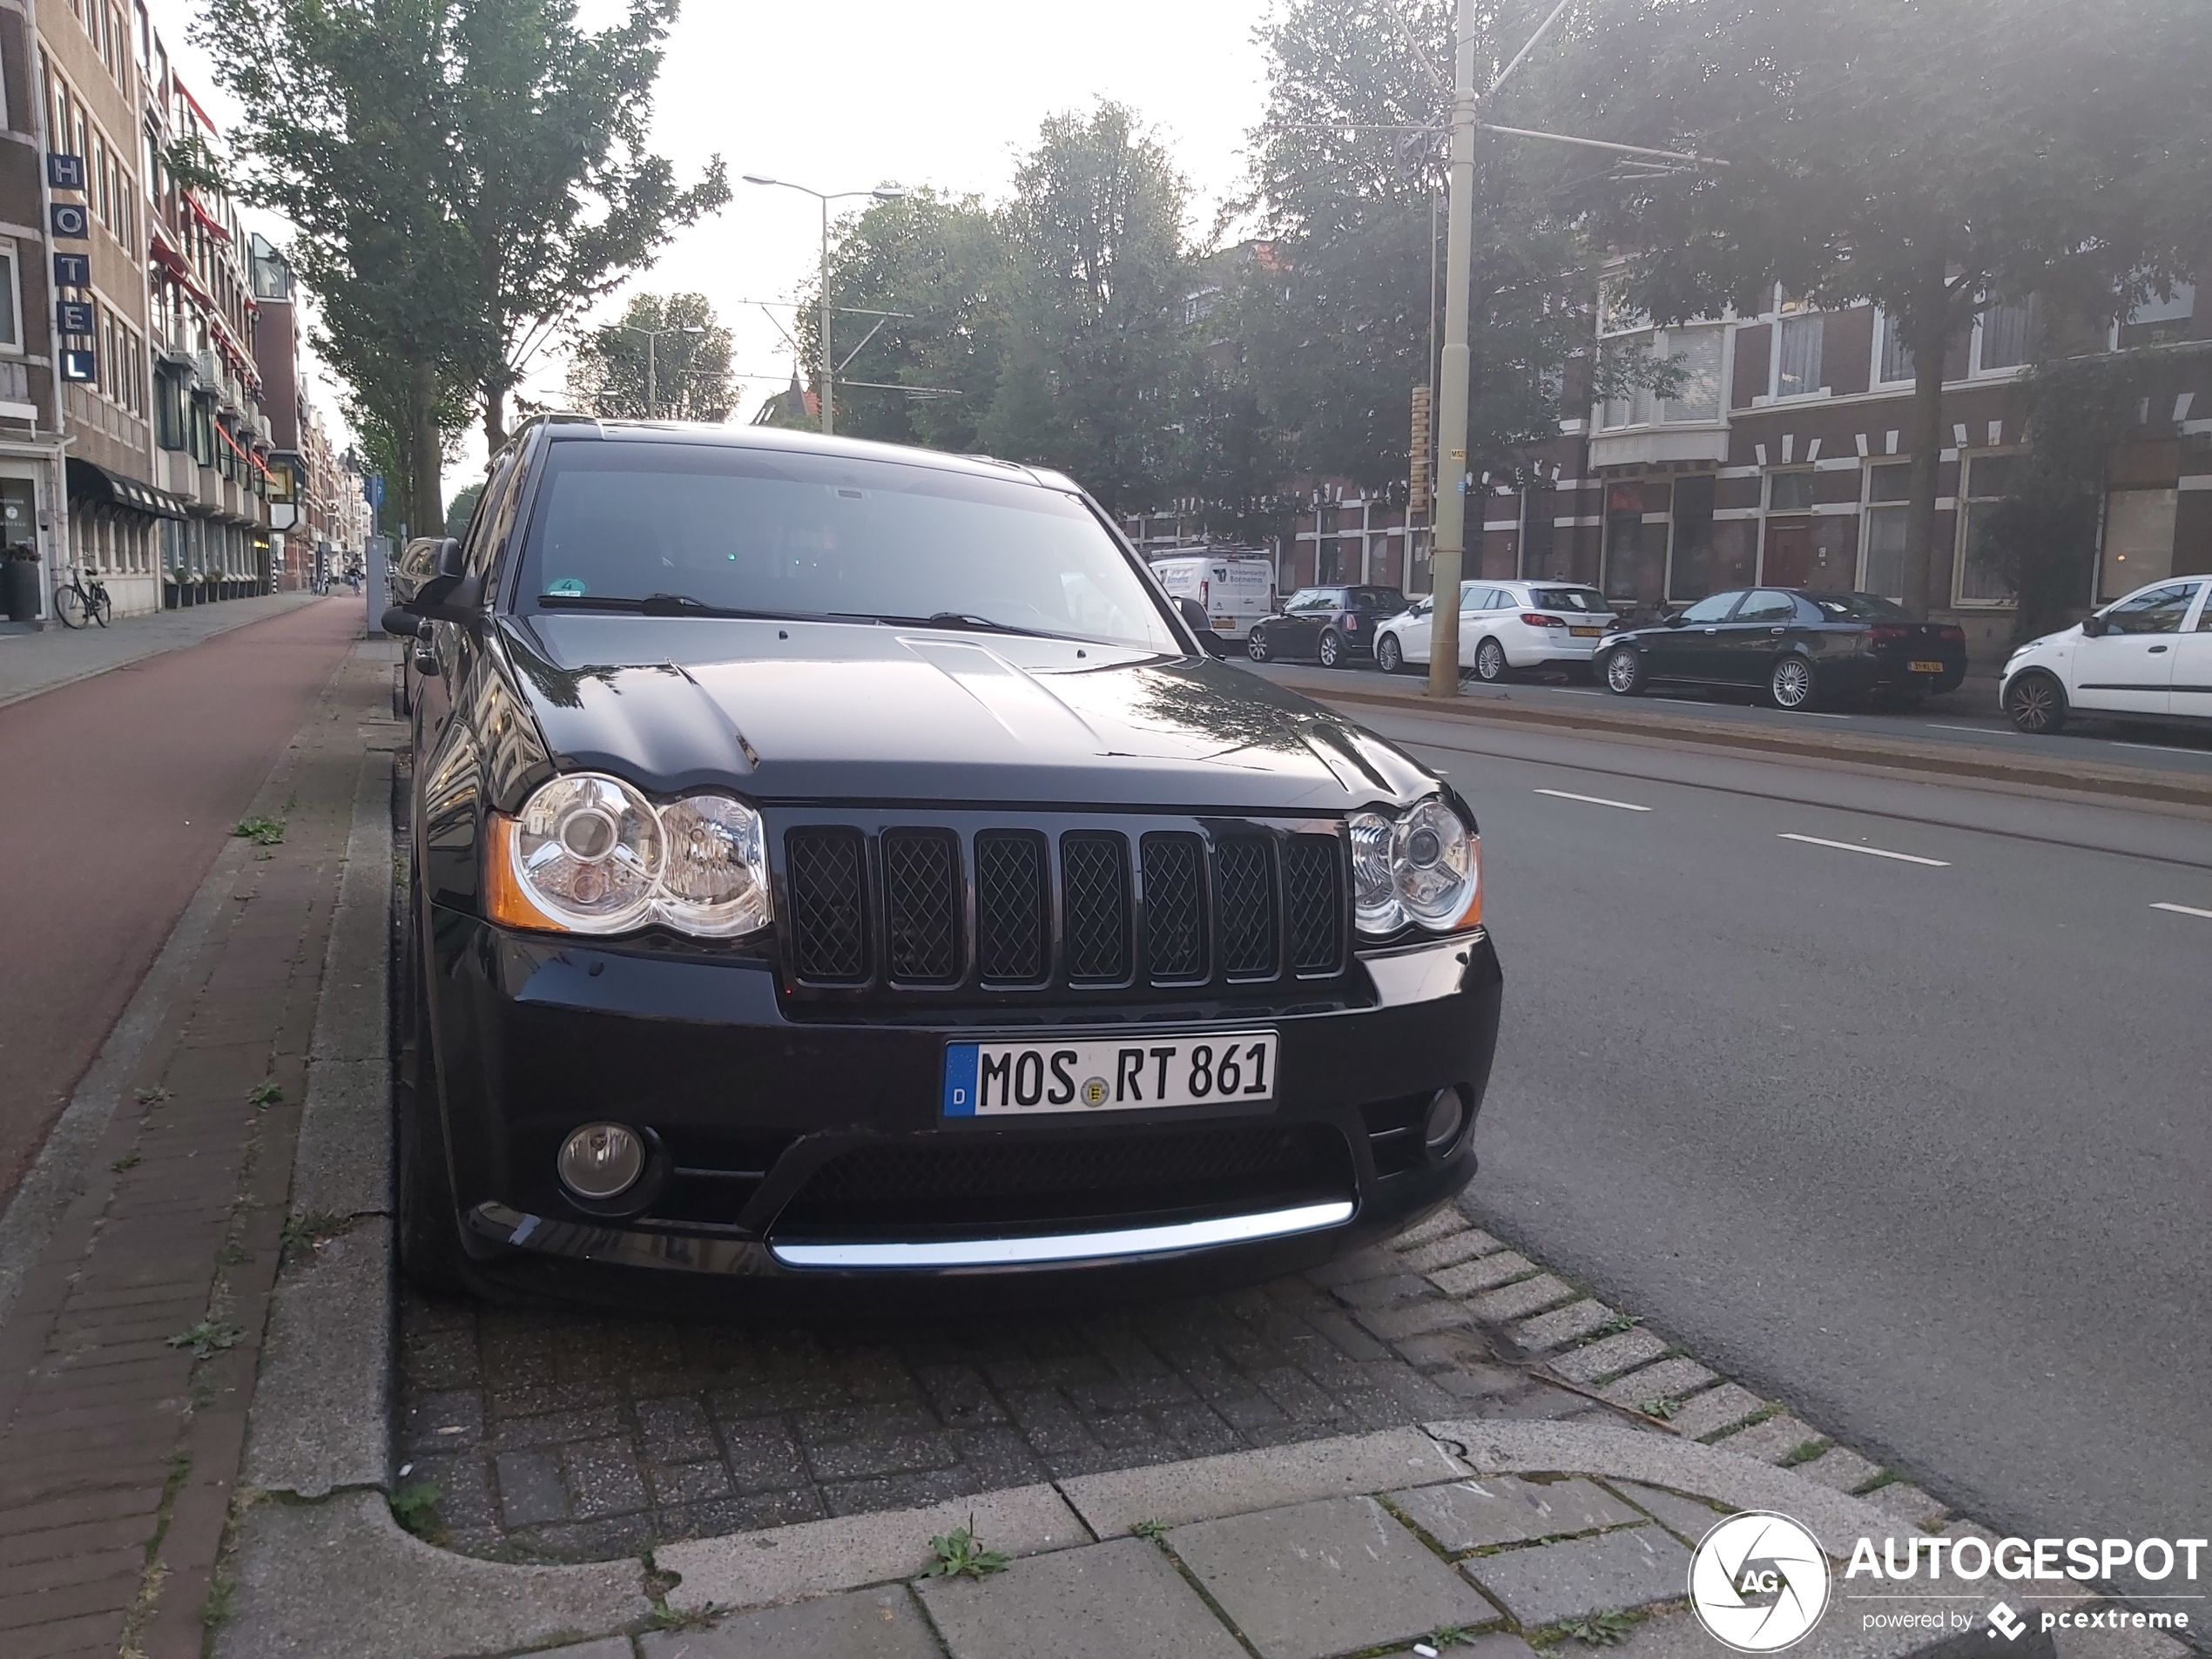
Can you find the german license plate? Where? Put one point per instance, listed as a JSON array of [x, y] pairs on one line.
[[1927, 668], [1585, 633], [1128, 1073]]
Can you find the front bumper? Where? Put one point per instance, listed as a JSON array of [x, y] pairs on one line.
[[805, 1148]]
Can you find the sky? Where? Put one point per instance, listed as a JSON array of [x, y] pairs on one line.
[[845, 95]]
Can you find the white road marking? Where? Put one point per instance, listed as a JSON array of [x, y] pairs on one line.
[[1595, 801], [2184, 910], [1978, 730], [1579, 691], [2163, 748], [1871, 851]]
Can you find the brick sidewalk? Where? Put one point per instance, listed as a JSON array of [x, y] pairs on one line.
[[141, 1317]]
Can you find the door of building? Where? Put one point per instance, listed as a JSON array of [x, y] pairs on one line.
[[1789, 560]]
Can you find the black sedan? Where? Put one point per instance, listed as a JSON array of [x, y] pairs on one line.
[[1332, 626], [1799, 647], [836, 864]]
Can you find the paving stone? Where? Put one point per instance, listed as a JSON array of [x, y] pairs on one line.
[[676, 1431], [1840, 1467], [1668, 1379], [1483, 1273], [1413, 1318], [1611, 1572], [1445, 1222], [603, 1479], [1118, 1599], [1714, 1410], [1903, 1498], [1562, 1325], [1328, 1577], [881, 1623], [530, 1489], [1518, 1301], [1688, 1519], [1771, 1441], [1451, 1251], [1506, 1509], [1608, 1357]]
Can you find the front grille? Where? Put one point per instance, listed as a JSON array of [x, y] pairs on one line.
[[1094, 871], [966, 1180], [1099, 910], [829, 909], [921, 905]]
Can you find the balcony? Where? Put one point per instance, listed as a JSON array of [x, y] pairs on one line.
[[1652, 444]]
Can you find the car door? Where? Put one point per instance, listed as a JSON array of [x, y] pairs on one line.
[[2130, 668], [1483, 610], [2192, 687], [1685, 649], [1291, 634], [1746, 643], [1414, 628]]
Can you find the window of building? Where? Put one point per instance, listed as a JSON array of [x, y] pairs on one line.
[[1789, 492], [10, 300], [1539, 506], [1981, 579], [1796, 372], [1691, 572], [2006, 338], [1897, 356], [1696, 353], [202, 430], [1888, 487], [2138, 540], [2160, 320]]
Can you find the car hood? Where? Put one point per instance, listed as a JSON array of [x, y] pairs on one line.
[[817, 711]]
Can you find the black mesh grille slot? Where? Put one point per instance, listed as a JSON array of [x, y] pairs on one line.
[[1175, 907], [921, 905], [1094, 880], [827, 870], [1244, 907], [1010, 906], [1312, 903]]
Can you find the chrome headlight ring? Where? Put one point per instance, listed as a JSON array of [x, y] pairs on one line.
[[1422, 867], [589, 853]]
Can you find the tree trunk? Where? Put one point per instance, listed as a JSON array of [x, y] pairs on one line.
[[426, 453], [1929, 338], [494, 416]]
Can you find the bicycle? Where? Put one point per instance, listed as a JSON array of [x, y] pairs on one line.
[[76, 601]]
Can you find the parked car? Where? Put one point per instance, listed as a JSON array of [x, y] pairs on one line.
[[835, 862], [1235, 589], [1800, 647], [2147, 656], [1332, 626], [1505, 627]]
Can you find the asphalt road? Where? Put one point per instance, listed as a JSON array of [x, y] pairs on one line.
[[120, 790], [1889, 1097]]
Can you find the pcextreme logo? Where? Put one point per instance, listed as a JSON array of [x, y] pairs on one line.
[[1758, 1582]]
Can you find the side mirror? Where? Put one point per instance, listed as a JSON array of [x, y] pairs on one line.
[[446, 593], [1194, 615], [396, 621], [2095, 627]]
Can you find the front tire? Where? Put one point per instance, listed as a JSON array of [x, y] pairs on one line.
[[69, 605], [1490, 664], [2035, 703], [428, 1225], [1256, 646], [1332, 650], [1389, 656], [1624, 671], [1791, 683]]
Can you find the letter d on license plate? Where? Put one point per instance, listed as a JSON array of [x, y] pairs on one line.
[[1123, 1074]]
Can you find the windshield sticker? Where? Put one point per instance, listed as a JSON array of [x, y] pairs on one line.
[[569, 587]]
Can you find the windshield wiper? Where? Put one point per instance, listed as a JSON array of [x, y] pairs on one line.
[[956, 619], [665, 604]]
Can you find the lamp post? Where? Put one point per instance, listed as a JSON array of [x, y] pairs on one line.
[[886, 191], [653, 337]]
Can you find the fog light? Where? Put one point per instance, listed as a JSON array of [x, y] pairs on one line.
[[1447, 1115], [601, 1161]]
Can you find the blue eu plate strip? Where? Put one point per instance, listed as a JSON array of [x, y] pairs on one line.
[[959, 1080]]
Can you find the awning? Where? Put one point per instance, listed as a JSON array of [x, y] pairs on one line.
[[89, 482]]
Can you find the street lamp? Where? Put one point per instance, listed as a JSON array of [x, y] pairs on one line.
[[886, 191], [653, 337]]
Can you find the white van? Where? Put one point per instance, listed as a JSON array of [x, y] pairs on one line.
[[1236, 587]]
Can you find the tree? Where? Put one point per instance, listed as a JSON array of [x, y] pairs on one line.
[[1929, 158], [671, 374]]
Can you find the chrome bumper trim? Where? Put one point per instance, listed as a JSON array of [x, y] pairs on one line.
[[1066, 1247]]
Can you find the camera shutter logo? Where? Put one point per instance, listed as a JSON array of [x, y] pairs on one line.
[[1758, 1582]]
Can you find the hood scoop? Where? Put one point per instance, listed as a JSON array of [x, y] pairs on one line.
[[1024, 708]]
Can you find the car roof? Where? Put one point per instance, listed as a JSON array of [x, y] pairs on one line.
[[571, 428]]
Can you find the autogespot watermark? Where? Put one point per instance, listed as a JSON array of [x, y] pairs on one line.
[[1759, 1583]]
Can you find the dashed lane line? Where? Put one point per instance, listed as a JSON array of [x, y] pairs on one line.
[[1871, 851], [2184, 910], [1595, 801]]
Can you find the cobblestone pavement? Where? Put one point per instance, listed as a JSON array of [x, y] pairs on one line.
[[555, 1436]]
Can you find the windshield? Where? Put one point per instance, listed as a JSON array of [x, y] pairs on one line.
[[766, 531], [1857, 607], [1374, 599], [1584, 599]]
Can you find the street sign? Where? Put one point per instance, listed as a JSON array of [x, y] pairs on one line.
[[65, 171], [373, 489], [80, 366], [1418, 482], [75, 317], [72, 271], [70, 219]]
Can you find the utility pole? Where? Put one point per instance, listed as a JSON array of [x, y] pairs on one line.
[[1448, 543], [886, 191]]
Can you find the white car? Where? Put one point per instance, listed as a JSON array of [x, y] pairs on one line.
[[2147, 656], [1505, 627]]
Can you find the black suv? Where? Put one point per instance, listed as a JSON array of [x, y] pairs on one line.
[[1332, 626], [840, 862]]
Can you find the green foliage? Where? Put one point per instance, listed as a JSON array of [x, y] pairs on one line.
[[1154, 1530], [959, 1555], [618, 370], [262, 831], [206, 1338], [1600, 1629], [265, 1093], [416, 1508]]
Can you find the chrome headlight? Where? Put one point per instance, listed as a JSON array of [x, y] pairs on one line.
[[590, 854], [1424, 867]]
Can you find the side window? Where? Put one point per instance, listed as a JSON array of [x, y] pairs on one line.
[[1302, 600], [1714, 609], [2204, 618], [2158, 611], [1768, 605], [492, 524]]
